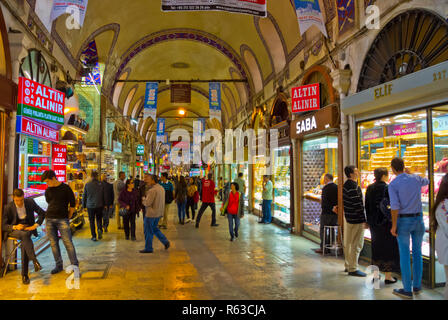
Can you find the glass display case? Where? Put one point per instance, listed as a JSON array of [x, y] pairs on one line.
[[259, 171], [319, 157], [282, 184], [405, 136]]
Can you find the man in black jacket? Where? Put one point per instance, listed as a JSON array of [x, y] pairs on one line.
[[328, 217], [93, 199], [108, 201], [19, 222], [356, 221]]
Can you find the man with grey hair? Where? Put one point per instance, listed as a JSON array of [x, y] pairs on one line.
[[154, 203]]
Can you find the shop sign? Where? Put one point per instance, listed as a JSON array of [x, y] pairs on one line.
[[140, 149], [35, 129], [402, 129], [40, 102], [440, 123], [321, 120], [145, 166], [59, 161], [372, 134], [252, 7], [306, 98], [117, 147]]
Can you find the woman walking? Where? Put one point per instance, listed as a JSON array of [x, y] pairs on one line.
[[385, 252], [191, 193], [439, 222], [129, 200], [234, 210], [180, 195]]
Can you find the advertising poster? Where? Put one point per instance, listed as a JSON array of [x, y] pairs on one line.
[[61, 7], [150, 107], [252, 7], [308, 14], [215, 100]]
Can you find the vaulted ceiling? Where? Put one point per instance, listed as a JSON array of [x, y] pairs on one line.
[[136, 40]]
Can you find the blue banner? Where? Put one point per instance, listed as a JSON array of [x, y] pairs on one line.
[[150, 106], [215, 100], [308, 13]]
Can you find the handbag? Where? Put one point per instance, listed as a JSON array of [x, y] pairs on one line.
[[123, 212], [384, 208]]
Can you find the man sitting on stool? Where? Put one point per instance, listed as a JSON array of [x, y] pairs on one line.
[[19, 222]]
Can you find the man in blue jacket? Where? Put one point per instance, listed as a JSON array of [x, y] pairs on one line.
[[94, 200]]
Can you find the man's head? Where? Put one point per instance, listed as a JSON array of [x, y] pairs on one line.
[[49, 177], [351, 172], [137, 177], [146, 177], [328, 178], [240, 175], [121, 175], [164, 176], [265, 178], [18, 196], [397, 165], [153, 179], [210, 176], [104, 177], [94, 175]]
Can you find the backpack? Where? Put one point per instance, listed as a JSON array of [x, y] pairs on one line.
[[169, 197], [384, 208]]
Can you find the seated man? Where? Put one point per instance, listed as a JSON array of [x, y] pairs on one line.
[[19, 222]]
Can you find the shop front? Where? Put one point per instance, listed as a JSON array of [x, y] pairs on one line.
[[258, 168], [318, 147], [408, 118]]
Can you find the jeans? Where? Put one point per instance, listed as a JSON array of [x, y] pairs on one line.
[[411, 227], [27, 248], [202, 209], [181, 210], [151, 230], [266, 208], [232, 218], [129, 224], [95, 214], [192, 205], [107, 214], [63, 226]]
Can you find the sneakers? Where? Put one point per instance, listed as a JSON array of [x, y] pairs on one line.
[[57, 270], [417, 290], [402, 294], [167, 245], [357, 273]]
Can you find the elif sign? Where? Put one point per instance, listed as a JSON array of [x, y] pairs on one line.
[[306, 98], [40, 102]]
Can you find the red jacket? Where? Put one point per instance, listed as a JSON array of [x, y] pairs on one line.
[[208, 191]]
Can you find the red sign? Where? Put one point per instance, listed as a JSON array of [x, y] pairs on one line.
[[306, 98], [35, 129], [40, 102], [59, 160]]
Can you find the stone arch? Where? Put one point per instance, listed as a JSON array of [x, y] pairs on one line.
[[128, 100], [119, 87], [254, 68]]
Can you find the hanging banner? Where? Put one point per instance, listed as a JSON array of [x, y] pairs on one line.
[[76, 8], [215, 100], [40, 102], [252, 7], [150, 107], [140, 150], [160, 130], [308, 13]]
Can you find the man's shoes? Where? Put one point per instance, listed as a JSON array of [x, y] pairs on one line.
[[105, 229], [127, 237], [402, 294], [167, 245], [236, 234], [94, 239], [100, 235], [197, 225], [57, 270], [345, 270], [37, 266], [391, 281], [261, 221], [144, 251], [320, 251], [357, 273], [25, 279], [417, 290], [133, 239], [214, 225], [232, 239]]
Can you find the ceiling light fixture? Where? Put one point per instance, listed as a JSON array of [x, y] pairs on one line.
[[181, 112]]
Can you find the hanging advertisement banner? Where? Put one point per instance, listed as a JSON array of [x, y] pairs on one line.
[[140, 150], [252, 7], [308, 13], [161, 130], [150, 106], [59, 161], [35, 129], [40, 102], [76, 8], [215, 100], [305, 98]]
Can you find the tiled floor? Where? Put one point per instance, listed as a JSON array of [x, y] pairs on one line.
[[266, 262]]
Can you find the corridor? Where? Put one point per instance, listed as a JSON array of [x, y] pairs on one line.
[[266, 262]]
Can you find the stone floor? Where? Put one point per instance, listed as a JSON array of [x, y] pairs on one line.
[[266, 262]]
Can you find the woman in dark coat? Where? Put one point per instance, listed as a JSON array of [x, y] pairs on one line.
[[129, 199], [385, 252]]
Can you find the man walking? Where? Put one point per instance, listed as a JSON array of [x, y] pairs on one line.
[[19, 222], [59, 197], [208, 200], [356, 221], [154, 203], [328, 217], [94, 200], [407, 223], [119, 185], [109, 201], [169, 197], [267, 200]]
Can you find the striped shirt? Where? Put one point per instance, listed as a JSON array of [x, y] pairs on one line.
[[353, 204]]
